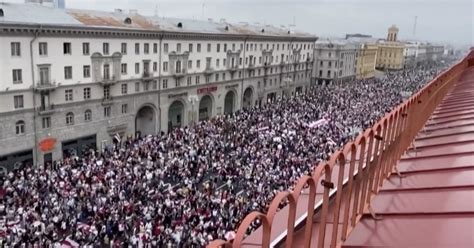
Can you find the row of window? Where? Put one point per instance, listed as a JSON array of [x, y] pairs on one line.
[[67, 48], [69, 119], [17, 77]]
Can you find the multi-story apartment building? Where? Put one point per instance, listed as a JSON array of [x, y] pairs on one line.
[[366, 59], [72, 79], [334, 61]]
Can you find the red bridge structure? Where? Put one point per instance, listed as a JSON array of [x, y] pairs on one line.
[[406, 182]]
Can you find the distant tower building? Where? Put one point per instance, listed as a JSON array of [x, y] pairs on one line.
[[392, 33]]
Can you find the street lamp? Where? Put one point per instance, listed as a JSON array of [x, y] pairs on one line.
[[193, 100]]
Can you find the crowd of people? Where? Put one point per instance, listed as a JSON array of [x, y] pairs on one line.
[[195, 184]]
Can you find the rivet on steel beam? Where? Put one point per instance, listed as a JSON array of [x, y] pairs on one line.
[[327, 184], [378, 137]]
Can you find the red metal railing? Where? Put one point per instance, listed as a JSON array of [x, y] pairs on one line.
[[371, 158]]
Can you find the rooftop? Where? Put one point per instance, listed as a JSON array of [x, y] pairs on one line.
[[34, 14]]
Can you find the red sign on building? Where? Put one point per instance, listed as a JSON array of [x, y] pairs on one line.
[[206, 90], [47, 144]]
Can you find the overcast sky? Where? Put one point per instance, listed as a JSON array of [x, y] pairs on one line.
[[438, 20]]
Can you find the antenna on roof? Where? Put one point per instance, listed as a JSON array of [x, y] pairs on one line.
[[290, 26], [414, 27], [203, 4]]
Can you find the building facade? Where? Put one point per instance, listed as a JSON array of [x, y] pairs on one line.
[[78, 78], [390, 51], [334, 61], [366, 60]]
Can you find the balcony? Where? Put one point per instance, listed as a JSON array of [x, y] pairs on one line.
[[209, 70], [107, 101], [179, 74], [46, 86], [146, 76], [108, 81], [46, 109], [233, 68]]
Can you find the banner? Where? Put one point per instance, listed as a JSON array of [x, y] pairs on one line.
[[318, 123]]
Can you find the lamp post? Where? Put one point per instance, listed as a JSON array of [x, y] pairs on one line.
[[192, 99]]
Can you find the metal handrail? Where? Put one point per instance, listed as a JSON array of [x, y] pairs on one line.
[[379, 149]]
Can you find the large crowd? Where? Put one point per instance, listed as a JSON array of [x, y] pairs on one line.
[[195, 184]]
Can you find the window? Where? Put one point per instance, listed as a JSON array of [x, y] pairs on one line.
[[198, 48], [155, 48], [123, 48], [137, 87], [123, 69], [155, 66], [87, 93], [70, 118], [178, 47], [85, 48], [146, 86], [217, 77], [225, 47], [207, 79], [107, 111], [190, 49], [260, 59], [165, 47], [44, 75], [223, 76], [178, 66], [18, 101], [67, 48], [137, 68], [240, 74], [188, 79], [17, 76], [43, 48], [217, 62], [165, 66], [68, 95], [165, 83], [105, 48], [15, 48], [223, 62], [146, 48], [20, 127], [190, 64], [137, 48], [107, 92], [155, 84], [329, 55], [197, 79], [124, 88], [208, 47], [124, 108], [88, 115], [218, 48], [329, 64], [86, 71], [233, 46], [198, 64], [320, 73], [68, 72], [46, 122], [329, 74], [106, 71], [240, 61]]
